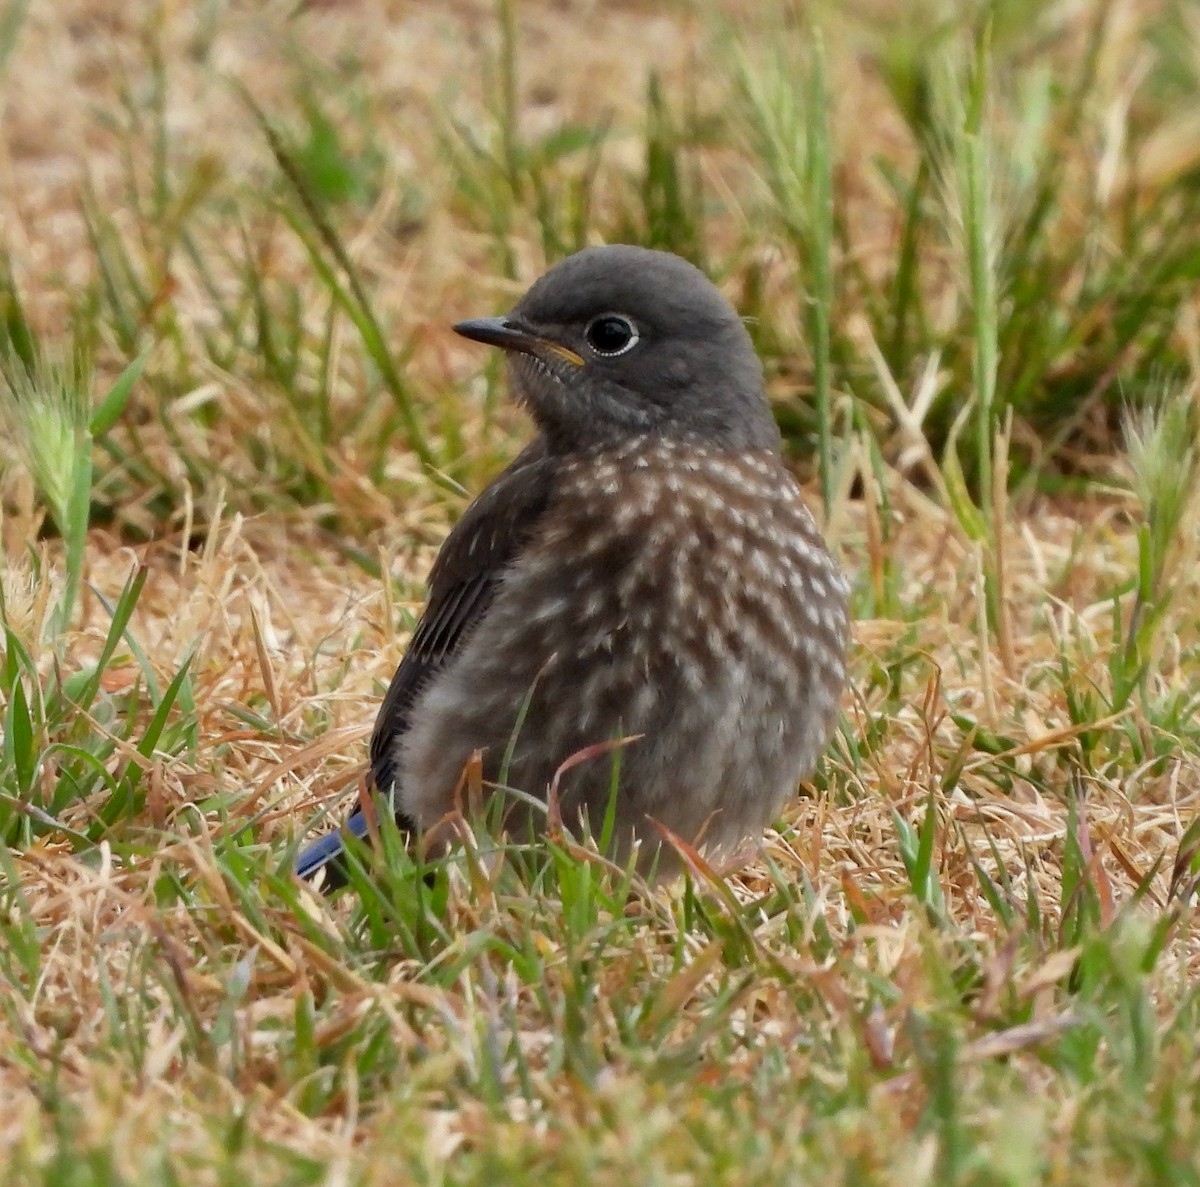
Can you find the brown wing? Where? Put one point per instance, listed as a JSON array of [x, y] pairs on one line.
[[462, 585]]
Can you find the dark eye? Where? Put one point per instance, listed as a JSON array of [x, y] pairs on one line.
[[611, 334]]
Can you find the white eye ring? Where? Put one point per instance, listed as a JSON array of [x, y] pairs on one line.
[[611, 334]]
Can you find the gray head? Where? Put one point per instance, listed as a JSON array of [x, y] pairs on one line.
[[616, 341]]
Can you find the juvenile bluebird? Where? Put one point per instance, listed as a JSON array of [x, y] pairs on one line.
[[644, 573]]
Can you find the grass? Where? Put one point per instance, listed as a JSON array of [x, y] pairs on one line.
[[237, 428]]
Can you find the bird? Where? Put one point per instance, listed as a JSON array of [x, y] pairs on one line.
[[637, 619]]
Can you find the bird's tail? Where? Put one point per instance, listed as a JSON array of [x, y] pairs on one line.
[[326, 853]]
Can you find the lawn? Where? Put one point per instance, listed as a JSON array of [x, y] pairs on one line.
[[235, 427]]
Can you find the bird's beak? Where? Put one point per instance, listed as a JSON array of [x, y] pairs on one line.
[[510, 335]]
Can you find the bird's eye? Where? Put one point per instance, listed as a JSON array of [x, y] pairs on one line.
[[611, 334]]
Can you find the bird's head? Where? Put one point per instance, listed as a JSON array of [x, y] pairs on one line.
[[620, 341]]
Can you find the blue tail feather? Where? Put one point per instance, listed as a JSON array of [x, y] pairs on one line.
[[324, 852]]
